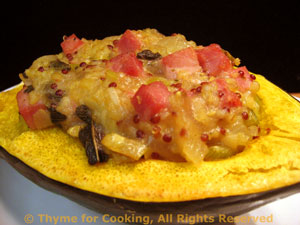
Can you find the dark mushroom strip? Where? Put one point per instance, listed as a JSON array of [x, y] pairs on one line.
[[96, 140], [98, 134], [59, 65], [84, 113], [90, 137], [85, 137], [148, 55], [56, 117], [25, 75], [29, 89], [54, 98]]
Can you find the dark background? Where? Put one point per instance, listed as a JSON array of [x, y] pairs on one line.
[[264, 35]]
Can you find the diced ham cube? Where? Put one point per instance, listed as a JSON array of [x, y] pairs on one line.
[[243, 79], [126, 63], [228, 99], [185, 59], [36, 116], [129, 42], [71, 44], [150, 99], [213, 60]]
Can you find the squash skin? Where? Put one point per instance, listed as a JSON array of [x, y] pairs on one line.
[[269, 162]]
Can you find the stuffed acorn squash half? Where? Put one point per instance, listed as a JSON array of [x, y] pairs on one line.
[[152, 118]]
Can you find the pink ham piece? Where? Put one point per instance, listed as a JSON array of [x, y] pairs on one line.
[[185, 59]]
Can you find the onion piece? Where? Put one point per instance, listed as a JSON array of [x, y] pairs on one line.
[[125, 146]]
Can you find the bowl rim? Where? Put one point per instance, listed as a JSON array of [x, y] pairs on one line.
[[229, 206]]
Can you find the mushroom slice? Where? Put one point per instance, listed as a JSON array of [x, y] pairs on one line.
[[90, 137]]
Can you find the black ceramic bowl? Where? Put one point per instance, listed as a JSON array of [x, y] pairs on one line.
[[206, 211]]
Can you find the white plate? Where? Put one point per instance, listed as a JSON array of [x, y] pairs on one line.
[[20, 197]]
